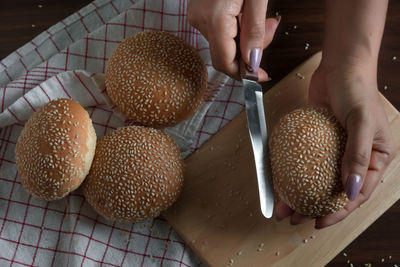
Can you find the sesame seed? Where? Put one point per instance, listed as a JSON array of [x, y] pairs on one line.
[[292, 151], [299, 75], [63, 169], [138, 171], [153, 68]]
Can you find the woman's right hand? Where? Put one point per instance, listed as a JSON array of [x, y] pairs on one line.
[[217, 21]]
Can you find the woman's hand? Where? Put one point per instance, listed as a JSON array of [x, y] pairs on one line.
[[217, 21], [351, 93], [346, 83]]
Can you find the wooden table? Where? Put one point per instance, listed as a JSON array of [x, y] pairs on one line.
[[21, 20]]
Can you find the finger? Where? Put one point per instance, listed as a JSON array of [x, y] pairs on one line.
[[316, 93], [336, 217], [298, 218], [270, 27], [223, 57], [263, 75], [271, 24], [223, 52], [372, 180], [380, 161], [357, 155], [252, 31], [282, 210], [386, 146]]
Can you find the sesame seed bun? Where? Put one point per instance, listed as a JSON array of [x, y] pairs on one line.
[[306, 149], [156, 78], [137, 172], [55, 149]]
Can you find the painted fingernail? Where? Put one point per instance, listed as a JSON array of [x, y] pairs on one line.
[[278, 18], [353, 186], [255, 59]]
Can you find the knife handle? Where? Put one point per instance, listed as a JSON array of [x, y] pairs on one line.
[[246, 72]]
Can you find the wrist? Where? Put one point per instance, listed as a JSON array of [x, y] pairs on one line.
[[350, 65], [353, 33], [349, 76]]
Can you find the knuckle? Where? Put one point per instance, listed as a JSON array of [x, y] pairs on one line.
[[358, 116], [361, 158], [222, 24], [197, 16], [256, 31]]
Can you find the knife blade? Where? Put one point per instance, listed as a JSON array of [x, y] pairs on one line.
[[253, 96]]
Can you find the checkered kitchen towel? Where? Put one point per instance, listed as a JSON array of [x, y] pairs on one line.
[[68, 60]]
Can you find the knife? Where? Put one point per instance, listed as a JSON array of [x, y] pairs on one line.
[[253, 97]]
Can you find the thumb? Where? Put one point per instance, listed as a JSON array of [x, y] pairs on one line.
[[252, 32], [357, 156]]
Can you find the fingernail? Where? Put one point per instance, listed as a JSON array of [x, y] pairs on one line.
[[278, 18], [269, 79], [255, 59], [353, 186]]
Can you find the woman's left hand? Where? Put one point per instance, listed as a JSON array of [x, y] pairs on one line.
[[350, 91]]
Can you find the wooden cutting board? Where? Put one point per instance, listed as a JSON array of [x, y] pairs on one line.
[[218, 212]]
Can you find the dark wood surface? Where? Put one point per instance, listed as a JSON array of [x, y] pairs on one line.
[[303, 24]]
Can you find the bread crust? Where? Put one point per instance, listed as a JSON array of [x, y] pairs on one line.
[[306, 150], [55, 149], [136, 173], [156, 79]]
